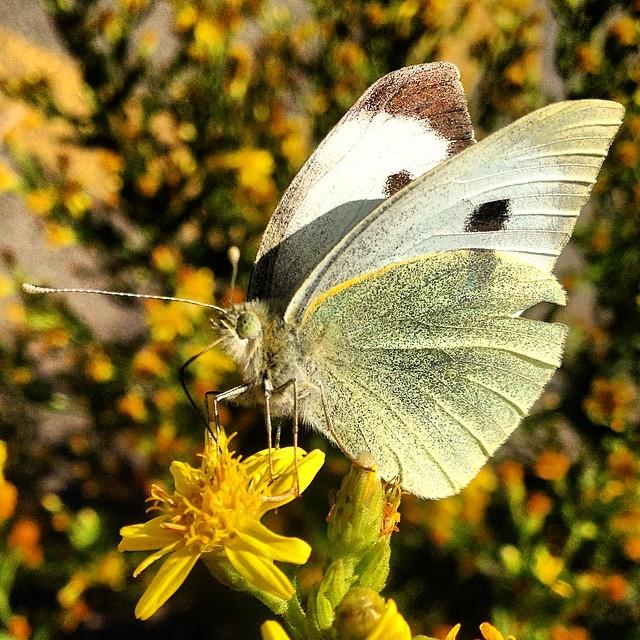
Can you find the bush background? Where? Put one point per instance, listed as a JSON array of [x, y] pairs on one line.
[[141, 139]]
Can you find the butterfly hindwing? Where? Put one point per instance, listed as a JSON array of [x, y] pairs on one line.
[[519, 190], [403, 125], [425, 366]]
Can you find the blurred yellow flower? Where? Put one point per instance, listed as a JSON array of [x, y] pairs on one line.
[[589, 58], [165, 258], [551, 465], [209, 39], [132, 404], [23, 61], [628, 153], [547, 568], [166, 321], [147, 362], [8, 491], [25, 537], [19, 628], [196, 284], [611, 402], [108, 570], [538, 505], [16, 314], [214, 513], [632, 548], [77, 201], [100, 368], [8, 179], [165, 399], [489, 632], [134, 5], [58, 235], [568, 633], [255, 168], [186, 17], [625, 30], [41, 201], [21, 375]]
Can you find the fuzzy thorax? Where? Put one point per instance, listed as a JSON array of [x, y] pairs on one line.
[[269, 352]]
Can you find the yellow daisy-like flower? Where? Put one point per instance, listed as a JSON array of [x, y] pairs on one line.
[[214, 513]]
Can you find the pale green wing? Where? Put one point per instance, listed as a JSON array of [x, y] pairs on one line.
[[426, 365]]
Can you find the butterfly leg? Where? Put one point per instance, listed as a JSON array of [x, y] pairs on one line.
[[267, 389], [218, 397], [292, 383]]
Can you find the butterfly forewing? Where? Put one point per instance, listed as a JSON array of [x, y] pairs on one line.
[[403, 125], [519, 190], [425, 366]]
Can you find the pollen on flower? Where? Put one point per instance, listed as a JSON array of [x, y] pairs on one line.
[[213, 504]]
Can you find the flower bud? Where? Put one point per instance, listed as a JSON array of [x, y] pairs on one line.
[[358, 614], [356, 519]]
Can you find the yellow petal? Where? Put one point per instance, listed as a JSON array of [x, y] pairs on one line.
[[149, 560], [146, 536], [392, 626], [183, 477], [271, 630], [257, 464], [166, 582], [284, 483], [489, 632], [259, 539], [453, 633], [261, 573]]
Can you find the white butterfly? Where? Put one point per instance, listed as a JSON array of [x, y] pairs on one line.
[[385, 298]]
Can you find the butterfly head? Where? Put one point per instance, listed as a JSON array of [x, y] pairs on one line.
[[248, 325]]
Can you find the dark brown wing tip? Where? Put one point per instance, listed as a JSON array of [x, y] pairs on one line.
[[431, 93]]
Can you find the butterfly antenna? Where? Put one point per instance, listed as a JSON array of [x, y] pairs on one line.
[[183, 379], [234, 258], [33, 288]]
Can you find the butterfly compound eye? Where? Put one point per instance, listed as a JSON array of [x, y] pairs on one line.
[[248, 325]]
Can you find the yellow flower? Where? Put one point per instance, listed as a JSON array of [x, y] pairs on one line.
[[552, 465], [214, 513], [392, 625], [8, 179], [271, 630], [547, 568], [41, 201], [8, 491], [453, 632], [255, 170], [58, 235], [132, 405], [489, 632]]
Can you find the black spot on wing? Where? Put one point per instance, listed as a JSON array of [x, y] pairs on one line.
[[397, 181], [489, 216]]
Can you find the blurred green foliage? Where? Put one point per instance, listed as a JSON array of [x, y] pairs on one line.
[[163, 136]]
